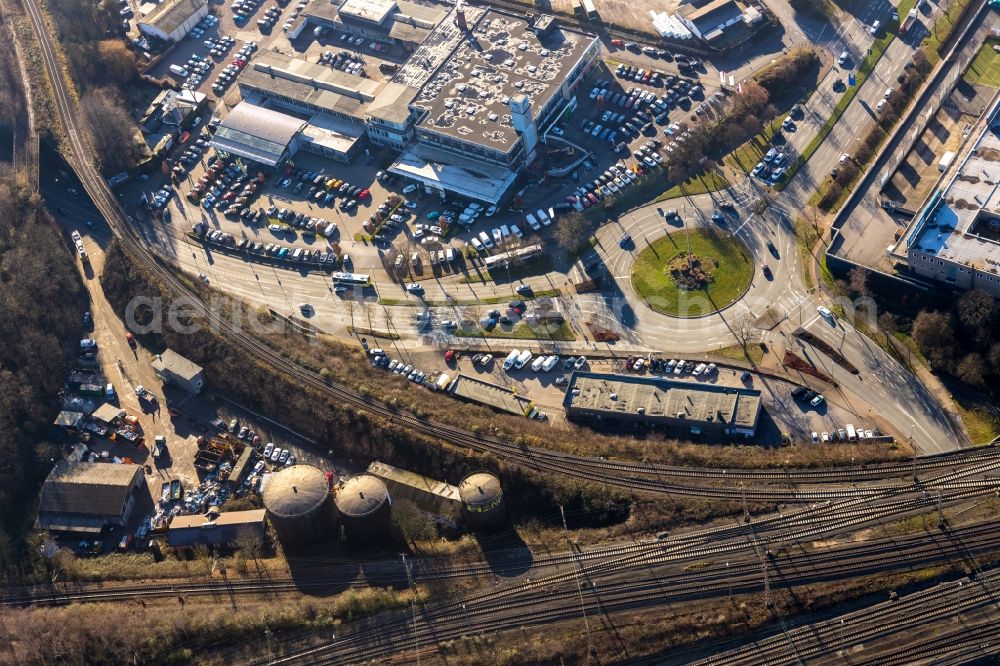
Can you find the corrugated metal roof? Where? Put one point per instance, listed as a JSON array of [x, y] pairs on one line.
[[170, 15], [84, 488], [107, 413]]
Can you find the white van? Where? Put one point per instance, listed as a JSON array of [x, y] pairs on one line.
[[543, 217], [852, 434], [537, 364], [476, 244], [330, 228], [485, 239], [505, 231], [297, 254], [532, 222], [511, 359], [875, 26], [409, 188], [522, 359], [475, 206]]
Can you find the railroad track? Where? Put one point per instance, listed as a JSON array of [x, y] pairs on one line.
[[649, 479], [545, 601], [793, 527], [901, 619]]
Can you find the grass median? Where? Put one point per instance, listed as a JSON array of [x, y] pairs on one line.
[[718, 273], [523, 331]]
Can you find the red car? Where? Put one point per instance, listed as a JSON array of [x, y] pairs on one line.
[[239, 63], [449, 356], [364, 194], [617, 42], [591, 197], [130, 339], [228, 195]]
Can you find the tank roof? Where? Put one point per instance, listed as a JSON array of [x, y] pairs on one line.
[[479, 488], [295, 491], [361, 495]]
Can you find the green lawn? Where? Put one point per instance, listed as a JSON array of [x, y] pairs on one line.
[[985, 69], [522, 331], [702, 183], [730, 280]]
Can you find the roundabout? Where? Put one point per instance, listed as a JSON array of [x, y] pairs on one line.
[[692, 272]]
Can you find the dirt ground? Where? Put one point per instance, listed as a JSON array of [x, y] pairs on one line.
[[915, 178]]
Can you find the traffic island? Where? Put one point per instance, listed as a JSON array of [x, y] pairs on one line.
[[692, 273]]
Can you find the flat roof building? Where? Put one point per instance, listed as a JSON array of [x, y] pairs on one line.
[[336, 110], [172, 368], [686, 407], [488, 98], [955, 238], [85, 497], [402, 23], [500, 398], [215, 529], [174, 19]]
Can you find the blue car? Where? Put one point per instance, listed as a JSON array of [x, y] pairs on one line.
[[625, 242]]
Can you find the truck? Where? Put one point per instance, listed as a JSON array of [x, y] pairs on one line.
[[852, 434], [145, 394], [80, 250], [946, 160], [908, 22], [159, 446], [179, 71]]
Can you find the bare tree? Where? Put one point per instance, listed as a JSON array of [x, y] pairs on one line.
[[571, 231], [351, 306], [744, 327], [249, 542]]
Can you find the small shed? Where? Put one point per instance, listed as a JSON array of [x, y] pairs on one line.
[[172, 368], [68, 419]]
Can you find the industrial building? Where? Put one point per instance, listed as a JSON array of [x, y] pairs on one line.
[[174, 19], [955, 238], [491, 96], [431, 495], [683, 407], [388, 22], [709, 19], [299, 505], [85, 498], [500, 398], [215, 528], [291, 104], [483, 506], [364, 506], [172, 368], [466, 112], [167, 116]]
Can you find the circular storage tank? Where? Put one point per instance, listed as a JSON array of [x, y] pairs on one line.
[[299, 505], [482, 501], [364, 505]]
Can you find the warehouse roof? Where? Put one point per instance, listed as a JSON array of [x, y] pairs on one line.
[[256, 133], [710, 15], [90, 489], [324, 88], [404, 20], [655, 397], [249, 517], [170, 15]]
